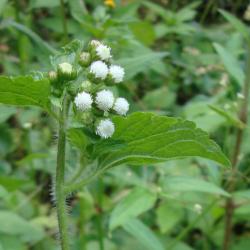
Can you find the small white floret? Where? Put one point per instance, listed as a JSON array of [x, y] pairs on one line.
[[65, 68], [105, 128], [104, 100], [99, 69], [117, 73], [103, 51], [121, 106], [83, 101]]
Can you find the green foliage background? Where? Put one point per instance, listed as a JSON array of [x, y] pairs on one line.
[[182, 58]]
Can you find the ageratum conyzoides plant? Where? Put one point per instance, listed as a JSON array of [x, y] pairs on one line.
[[80, 93]]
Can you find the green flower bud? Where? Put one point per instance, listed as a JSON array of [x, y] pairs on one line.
[[85, 59], [52, 77], [66, 72], [86, 86]]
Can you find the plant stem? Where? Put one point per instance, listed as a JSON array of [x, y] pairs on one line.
[[64, 21], [59, 184], [99, 215], [235, 158]]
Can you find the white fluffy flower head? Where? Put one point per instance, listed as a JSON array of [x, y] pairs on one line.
[[99, 69], [65, 68], [121, 106], [117, 73], [103, 51], [105, 128], [104, 100], [83, 101]]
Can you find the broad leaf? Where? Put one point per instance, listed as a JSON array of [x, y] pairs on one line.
[[231, 64], [13, 224], [149, 138], [186, 184], [143, 234], [24, 91], [135, 203]]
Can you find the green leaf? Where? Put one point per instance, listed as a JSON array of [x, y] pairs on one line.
[[77, 138], [186, 184], [24, 91], [6, 112], [140, 62], [12, 183], [231, 64], [143, 234], [143, 31], [168, 215], [31, 34], [135, 203], [13, 224], [237, 24], [149, 138], [43, 4]]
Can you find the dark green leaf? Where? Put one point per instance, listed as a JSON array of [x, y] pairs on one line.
[[149, 138]]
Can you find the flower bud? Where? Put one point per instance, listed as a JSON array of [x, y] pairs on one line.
[[52, 77], [66, 71], [85, 59], [86, 86]]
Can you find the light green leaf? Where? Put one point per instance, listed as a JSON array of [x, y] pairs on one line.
[[231, 64], [237, 24], [186, 184], [24, 91], [31, 34], [143, 31], [135, 203], [43, 4], [6, 112], [77, 138], [168, 215], [13, 224], [2, 5], [143, 234], [149, 138], [140, 62]]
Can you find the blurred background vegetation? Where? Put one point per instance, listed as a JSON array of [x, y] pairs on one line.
[[182, 58]]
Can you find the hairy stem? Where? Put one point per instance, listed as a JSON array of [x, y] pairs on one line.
[[64, 21], [59, 183], [235, 158]]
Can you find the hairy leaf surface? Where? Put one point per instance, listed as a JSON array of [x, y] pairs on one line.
[[149, 138]]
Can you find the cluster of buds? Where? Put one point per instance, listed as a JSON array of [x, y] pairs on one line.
[[93, 101]]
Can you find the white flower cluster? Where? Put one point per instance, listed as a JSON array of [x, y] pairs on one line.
[[100, 69], [104, 100]]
